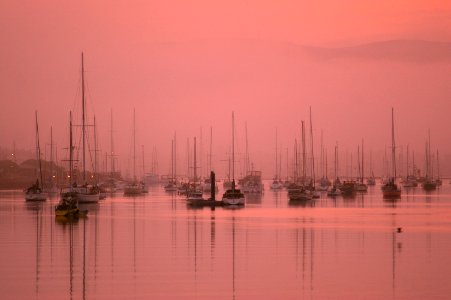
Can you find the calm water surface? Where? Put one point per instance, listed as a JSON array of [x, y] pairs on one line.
[[154, 247]]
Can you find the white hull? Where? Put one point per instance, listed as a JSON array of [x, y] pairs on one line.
[[276, 186], [233, 201]]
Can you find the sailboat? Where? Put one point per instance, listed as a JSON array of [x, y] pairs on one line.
[[233, 196], [390, 188], [193, 192], [35, 192], [429, 183], [371, 180], [50, 187], [133, 188], [276, 183], [297, 192], [85, 193], [68, 205], [206, 187], [361, 186], [410, 180], [171, 186], [335, 191], [144, 187]]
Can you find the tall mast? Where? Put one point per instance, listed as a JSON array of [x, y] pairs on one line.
[[134, 146], [175, 155], [247, 151], [287, 163], [83, 126], [233, 149], [195, 161], [430, 174], [335, 161], [325, 152], [172, 160], [358, 163], [303, 154], [95, 150], [51, 155], [144, 169], [407, 166], [38, 148], [201, 153], [112, 145], [188, 160], [211, 147], [363, 164], [296, 170], [313, 156], [393, 143], [276, 157], [71, 150], [438, 167]]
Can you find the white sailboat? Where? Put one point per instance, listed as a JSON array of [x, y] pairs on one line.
[[85, 193], [35, 192], [233, 196]]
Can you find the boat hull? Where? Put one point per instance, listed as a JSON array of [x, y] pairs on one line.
[[88, 198], [36, 196], [233, 201]]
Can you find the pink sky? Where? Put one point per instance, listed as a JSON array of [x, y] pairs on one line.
[[187, 64]]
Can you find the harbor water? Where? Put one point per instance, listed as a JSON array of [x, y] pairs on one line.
[[156, 247]]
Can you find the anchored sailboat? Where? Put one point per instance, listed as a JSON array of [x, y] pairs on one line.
[[233, 196], [390, 188], [35, 193]]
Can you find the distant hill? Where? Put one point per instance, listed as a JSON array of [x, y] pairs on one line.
[[394, 50]]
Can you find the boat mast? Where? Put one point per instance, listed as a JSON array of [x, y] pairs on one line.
[[195, 162], [144, 170], [111, 145], [430, 173], [313, 156], [71, 151], [51, 155], [246, 164], [358, 164], [335, 162], [95, 150], [407, 166], [201, 153], [38, 148], [172, 160], [134, 146], [303, 154], [287, 165], [211, 147], [393, 144], [83, 105], [363, 164], [276, 156], [175, 155], [438, 167], [188, 159], [233, 150]]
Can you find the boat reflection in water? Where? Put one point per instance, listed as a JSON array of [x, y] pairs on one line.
[[223, 253]]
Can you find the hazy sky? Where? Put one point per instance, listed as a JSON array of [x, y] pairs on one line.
[[187, 64]]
